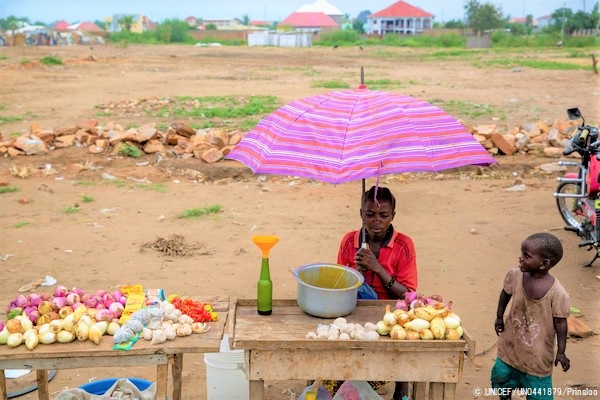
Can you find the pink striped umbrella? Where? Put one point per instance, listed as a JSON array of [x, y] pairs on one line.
[[348, 135]]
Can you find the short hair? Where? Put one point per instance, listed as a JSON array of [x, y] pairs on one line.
[[549, 246], [383, 194]]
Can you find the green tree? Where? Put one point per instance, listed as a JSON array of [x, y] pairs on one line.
[[12, 23], [211, 27], [483, 17], [245, 20], [358, 26], [454, 24], [172, 31], [126, 22]]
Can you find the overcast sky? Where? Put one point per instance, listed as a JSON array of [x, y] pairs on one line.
[[272, 10]]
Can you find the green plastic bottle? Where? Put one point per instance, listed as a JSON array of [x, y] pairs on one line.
[[264, 297]]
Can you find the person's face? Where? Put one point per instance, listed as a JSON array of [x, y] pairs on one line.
[[377, 219], [531, 259]]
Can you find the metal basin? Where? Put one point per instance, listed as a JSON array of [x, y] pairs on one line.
[[327, 290]]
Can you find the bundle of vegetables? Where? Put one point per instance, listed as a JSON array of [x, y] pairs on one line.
[[158, 323], [419, 317], [81, 324], [341, 329], [199, 312], [43, 308]]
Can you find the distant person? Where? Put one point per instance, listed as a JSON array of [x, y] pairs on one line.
[[536, 321]]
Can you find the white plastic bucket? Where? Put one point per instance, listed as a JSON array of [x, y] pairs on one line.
[[226, 374]]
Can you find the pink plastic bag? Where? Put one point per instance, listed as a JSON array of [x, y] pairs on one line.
[[356, 390]]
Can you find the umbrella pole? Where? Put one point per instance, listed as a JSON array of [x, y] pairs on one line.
[[364, 230]]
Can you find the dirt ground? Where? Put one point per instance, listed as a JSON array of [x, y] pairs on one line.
[[466, 225]]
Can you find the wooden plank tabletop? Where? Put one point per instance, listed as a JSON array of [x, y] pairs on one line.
[[287, 326], [195, 343]]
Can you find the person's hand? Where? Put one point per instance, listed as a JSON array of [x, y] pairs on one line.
[[563, 360], [366, 259], [499, 326]]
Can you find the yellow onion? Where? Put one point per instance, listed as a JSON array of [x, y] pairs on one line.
[[460, 331], [427, 313], [55, 326], [26, 323], [45, 307], [14, 326], [31, 339], [112, 328], [14, 339], [65, 336], [402, 318], [416, 325], [452, 320], [86, 319], [94, 333], [412, 335], [426, 334], [43, 329], [47, 338], [64, 311], [79, 312], [389, 318], [452, 334], [382, 328], [397, 332], [438, 328], [82, 331], [69, 323], [4, 335]]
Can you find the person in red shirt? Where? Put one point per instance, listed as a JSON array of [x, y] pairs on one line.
[[384, 256]]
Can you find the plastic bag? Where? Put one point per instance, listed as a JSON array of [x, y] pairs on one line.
[[322, 392], [356, 390]]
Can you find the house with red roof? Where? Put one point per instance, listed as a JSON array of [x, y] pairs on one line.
[[62, 24], [308, 21], [400, 18]]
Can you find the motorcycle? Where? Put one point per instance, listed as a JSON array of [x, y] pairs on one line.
[[578, 193]]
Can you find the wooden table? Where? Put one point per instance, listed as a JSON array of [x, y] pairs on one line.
[[87, 354], [276, 349]]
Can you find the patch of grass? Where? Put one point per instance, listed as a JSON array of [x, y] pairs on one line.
[[199, 212], [69, 210], [51, 60], [16, 118], [129, 150], [120, 183], [20, 224], [84, 183], [463, 109], [2, 58], [332, 85], [25, 61], [220, 107], [2, 107], [537, 64], [87, 198], [157, 187], [8, 189]]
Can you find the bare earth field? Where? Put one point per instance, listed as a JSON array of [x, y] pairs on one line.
[[466, 226]]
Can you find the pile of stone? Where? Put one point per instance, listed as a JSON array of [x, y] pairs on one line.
[[211, 145], [178, 140]]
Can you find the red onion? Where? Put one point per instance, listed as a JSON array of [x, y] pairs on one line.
[[21, 301], [123, 300], [72, 298], [34, 299], [45, 296], [116, 309], [430, 301], [90, 302], [75, 306], [108, 299], [1, 326], [436, 297], [77, 290], [100, 292], [61, 291], [401, 304], [34, 315], [100, 306], [417, 303], [58, 303], [117, 294], [103, 315], [410, 297]]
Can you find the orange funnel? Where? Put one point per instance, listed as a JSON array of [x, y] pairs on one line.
[[265, 243]]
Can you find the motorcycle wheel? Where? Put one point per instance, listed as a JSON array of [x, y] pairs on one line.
[[570, 207]]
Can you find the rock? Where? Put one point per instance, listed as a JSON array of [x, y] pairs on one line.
[[485, 130], [153, 146], [553, 152], [120, 137], [578, 328], [30, 145], [212, 155], [183, 129], [552, 167], [236, 137], [522, 142], [65, 141], [94, 149], [145, 133], [504, 145], [46, 136], [554, 137], [87, 124]]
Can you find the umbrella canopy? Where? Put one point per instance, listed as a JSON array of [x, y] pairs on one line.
[[357, 134]]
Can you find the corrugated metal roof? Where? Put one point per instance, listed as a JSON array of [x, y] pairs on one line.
[[401, 9]]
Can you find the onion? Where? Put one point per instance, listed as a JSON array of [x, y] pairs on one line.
[[117, 294], [123, 299], [108, 299], [417, 303], [45, 296], [401, 305], [21, 301], [76, 305], [14, 339], [383, 328], [116, 309], [58, 303], [100, 293], [78, 291], [34, 315], [34, 299], [72, 298], [1, 326], [417, 324], [90, 302], [4, 333], [452, 321], [436, 297], [61, 291], [103, 315], [389, 317], [45, 307], [410, 296]]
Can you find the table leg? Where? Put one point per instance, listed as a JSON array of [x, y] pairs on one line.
[[420, 390], [257, 388], [3, 394], [162, 377], [177, 369], [42, 382]]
